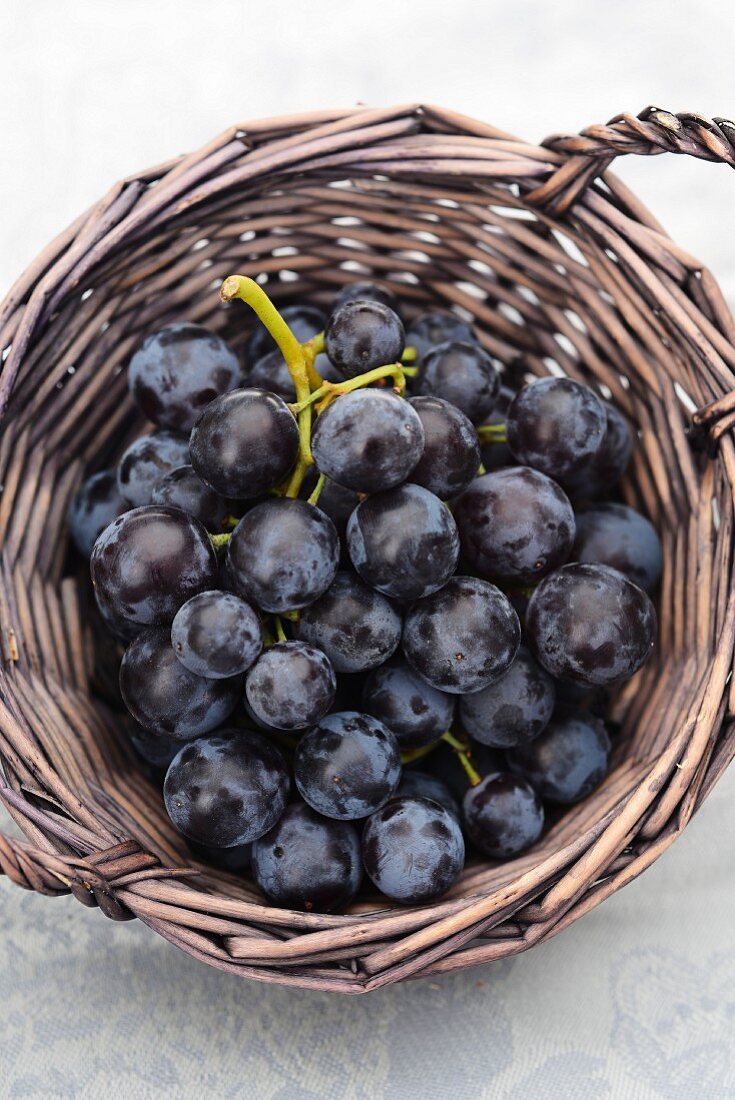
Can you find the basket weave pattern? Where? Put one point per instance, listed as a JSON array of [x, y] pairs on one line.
[[556, 263]]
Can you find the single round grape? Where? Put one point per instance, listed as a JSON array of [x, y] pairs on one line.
[[164, 697], [618, 536], [464, 375], [368, 440], [451, 455], [444, 763], [413, 850], [96, 504], [355, 626], [283, 554], [363, 334], [236, 858], [568, 760], [304, 322], [183, 488], [605, 469], [591, 625], [556, 425], [347, 766], [416, 712], [308, 862], [146, 461], [417, 784], [515, 709], [244, 443], [156, 748], [462, 637], [226, 789], [515, 525], [150, 561], [216, 635], [291, 685], [494, 456], [115, 624], [366, 292], [403, 542], [271, 373], [438, 327], [503, 815], [177, 372]]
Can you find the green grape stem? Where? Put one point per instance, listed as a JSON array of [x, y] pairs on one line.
[[321, 482], [464, 758], [492, 433], [328, 391], [218, 541], [248, 291]]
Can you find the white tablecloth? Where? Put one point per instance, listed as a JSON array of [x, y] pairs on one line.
[[637, 1001]]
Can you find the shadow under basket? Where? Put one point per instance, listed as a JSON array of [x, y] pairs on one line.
[[562, 270]]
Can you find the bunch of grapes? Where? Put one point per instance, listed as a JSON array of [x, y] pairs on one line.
[[370, 594]]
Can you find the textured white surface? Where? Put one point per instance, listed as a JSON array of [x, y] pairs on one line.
[[637, 1000]]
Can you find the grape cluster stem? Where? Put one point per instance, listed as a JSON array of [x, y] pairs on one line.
[[312, 392]]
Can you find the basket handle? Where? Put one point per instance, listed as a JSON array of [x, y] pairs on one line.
[[653, 131]]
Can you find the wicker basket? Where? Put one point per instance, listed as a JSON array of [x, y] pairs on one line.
[[557, 264]]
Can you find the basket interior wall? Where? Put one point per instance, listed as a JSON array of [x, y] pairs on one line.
[[546, 297]]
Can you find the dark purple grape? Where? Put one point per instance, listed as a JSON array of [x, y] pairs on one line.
[[156, 748], [347, 766], [226, 789], [403, 542], [515, 709], [437, 327], [366, 292], [416, 712], [462, 374], [462, 637], [116, 624], [361, 335], [355, 626], [271, 373], [568, 760], [591, 625], [556, 425], [451, 455], [416, 784], [244, 443], [237, 858], [164, 697], [283, 554], [413, 850], [618, 536], [146, 461], [183, 488], [308, 862], [607, 467], [177, 372], [444, 763], [503, 815], [216, 635], [96, 504], [515, 525], [304, 322], [150, 561], [291, 685], [368, 440], [496, 455]]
